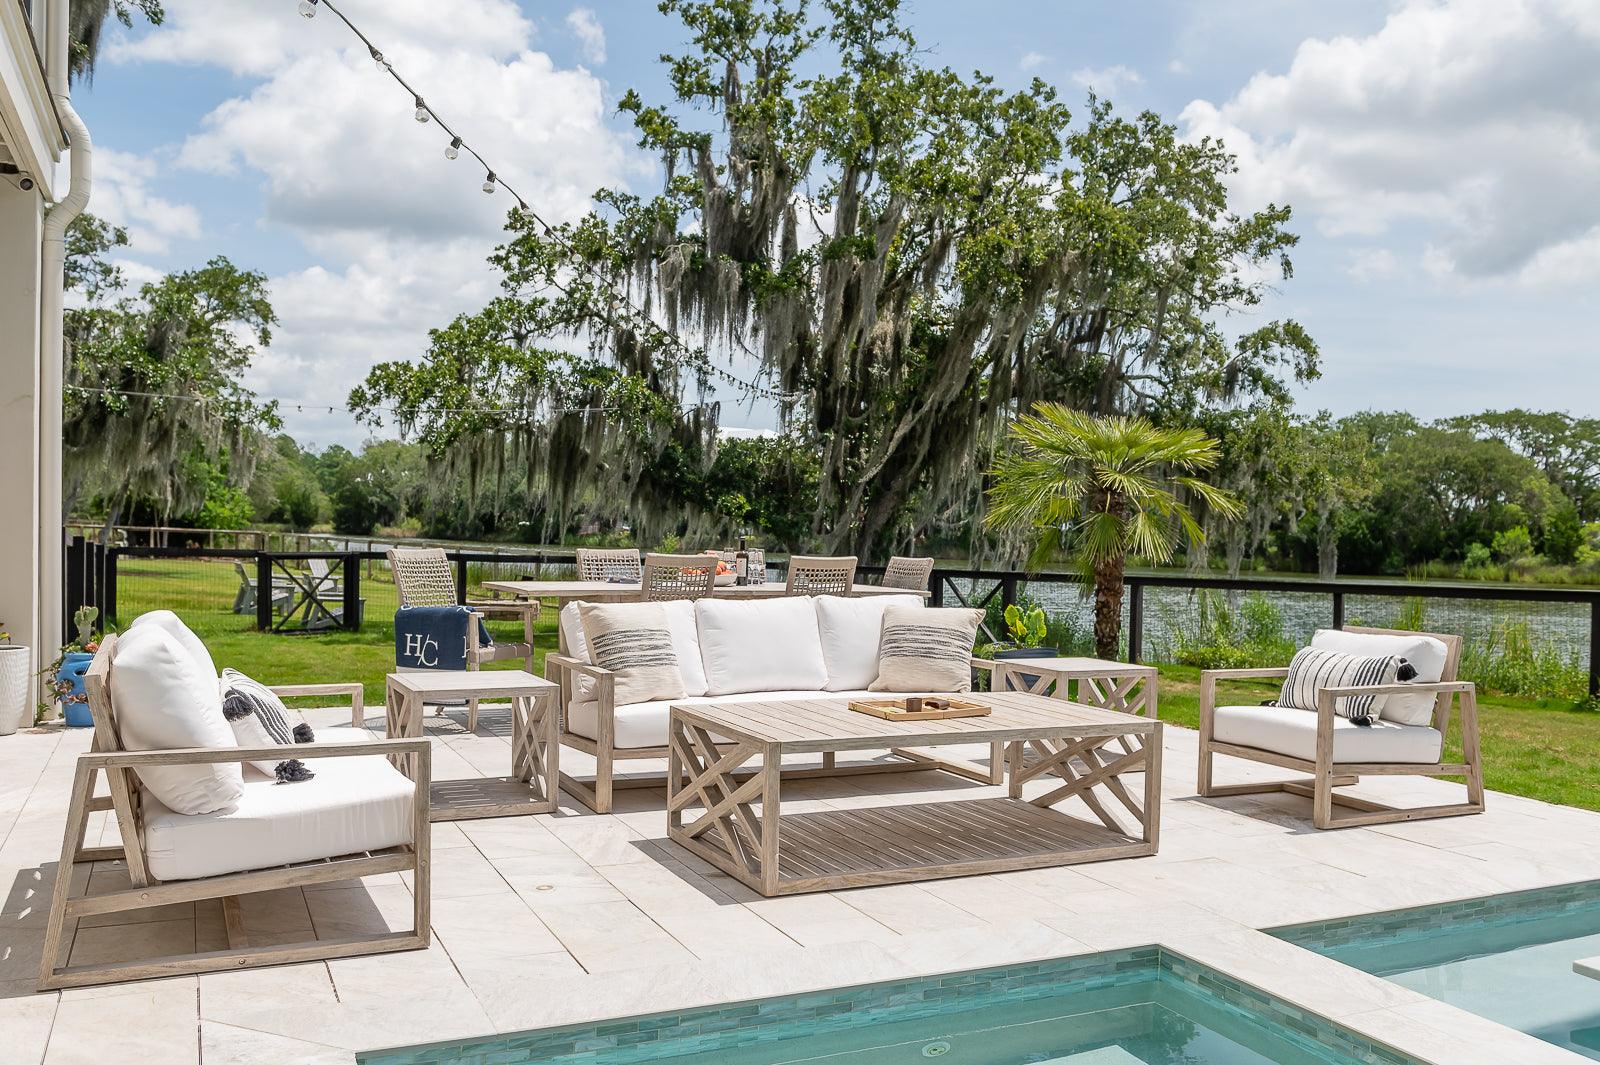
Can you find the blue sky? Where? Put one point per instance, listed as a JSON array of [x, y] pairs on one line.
[[1442, 157]]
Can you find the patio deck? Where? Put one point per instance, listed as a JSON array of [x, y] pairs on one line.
[[549, 920]]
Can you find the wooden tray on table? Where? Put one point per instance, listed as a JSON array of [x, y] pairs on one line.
[[922, 709]]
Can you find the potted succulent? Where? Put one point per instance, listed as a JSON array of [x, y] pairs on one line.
[[1028, 629], [70, 666], [16, 673]]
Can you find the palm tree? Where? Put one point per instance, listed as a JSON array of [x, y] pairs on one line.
[[1098, 489]]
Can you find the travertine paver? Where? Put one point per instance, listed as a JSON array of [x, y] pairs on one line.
[[550, 920]]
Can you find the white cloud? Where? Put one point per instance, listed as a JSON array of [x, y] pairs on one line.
[[1373, 264], [1033, 60], [1476, 121], [1107, 80], [1177, 66], [122, 197], [591, 35], [397, 235]]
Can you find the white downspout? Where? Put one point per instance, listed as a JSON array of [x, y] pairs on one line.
[[52, 342]]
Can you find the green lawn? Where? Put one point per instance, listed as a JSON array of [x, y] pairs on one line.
[[1541, 748]]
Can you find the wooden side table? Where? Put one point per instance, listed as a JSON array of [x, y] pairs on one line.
[[531, 788], [1097, 682]]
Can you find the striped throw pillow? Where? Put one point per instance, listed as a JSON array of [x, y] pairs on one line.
[[926, 649], [633, 641], [1311, 670], [259, 719]]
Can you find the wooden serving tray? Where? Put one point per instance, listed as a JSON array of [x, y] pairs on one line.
[[895, 709]]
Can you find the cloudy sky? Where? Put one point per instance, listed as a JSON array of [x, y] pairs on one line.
[[1442, 158]]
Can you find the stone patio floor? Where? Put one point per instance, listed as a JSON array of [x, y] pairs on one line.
[[556, 919]]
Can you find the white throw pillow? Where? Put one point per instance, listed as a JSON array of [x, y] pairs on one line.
[[850, 629], [760, 645], [927, 649], [685, 629], [577, 647], [633, 641], [185, 636], [164, 701], [259, 718], [1426, 655]]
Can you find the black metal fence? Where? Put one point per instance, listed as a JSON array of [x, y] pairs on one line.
[[311, 591]]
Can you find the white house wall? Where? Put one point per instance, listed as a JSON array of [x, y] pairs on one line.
[[20, 234]]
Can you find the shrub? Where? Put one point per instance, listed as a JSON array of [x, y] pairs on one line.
[[1513, 544], [1221, 638]]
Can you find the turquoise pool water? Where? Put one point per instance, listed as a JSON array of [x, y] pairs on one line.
[[1507, 957], [1139, 1007]]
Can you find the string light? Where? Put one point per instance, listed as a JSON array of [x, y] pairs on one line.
[[377, 57], [697, 359], [189, 397]]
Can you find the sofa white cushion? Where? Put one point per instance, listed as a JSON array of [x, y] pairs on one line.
[[185, 636], [1294, 733], [1426, 655], [353, 804], [850, 629], [760, 645], [685, 644], [164, 701]]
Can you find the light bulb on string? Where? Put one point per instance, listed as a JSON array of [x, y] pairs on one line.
[[308, 8], [453, 152], [488, 183], [377, 57], [422, 111]]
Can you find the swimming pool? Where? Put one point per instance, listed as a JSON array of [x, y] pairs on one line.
[[1505, 957], [1136, 1007]]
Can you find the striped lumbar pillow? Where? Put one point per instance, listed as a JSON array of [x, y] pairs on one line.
[[926, 649], [633, 641], [1311, 670], [259, 719]]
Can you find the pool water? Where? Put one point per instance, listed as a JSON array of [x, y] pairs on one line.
[[1139, 1007], [1508, 958]]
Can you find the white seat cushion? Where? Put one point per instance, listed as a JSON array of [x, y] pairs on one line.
[[163, 700], [1294, 733], [1426, 654], [645, 724], [851, 629], [760, 645], [354, 804]]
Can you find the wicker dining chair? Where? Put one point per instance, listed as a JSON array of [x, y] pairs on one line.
[[910, 573], [678, 577], [820, 575], [604, 563], [423, 577], [755, 566]]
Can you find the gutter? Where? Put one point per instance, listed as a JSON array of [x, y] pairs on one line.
[[52, 342]]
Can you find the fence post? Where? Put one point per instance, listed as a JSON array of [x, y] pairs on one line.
[[1594, 647], [461, 577], [264, 590], [110, 608], [352, 591], [1338, 610], [77, 555], [936, 589], [1135, 621], [1008, 590]]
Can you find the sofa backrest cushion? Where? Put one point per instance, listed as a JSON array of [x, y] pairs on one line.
[[685, 645], [927, 649], [760, 645], [185, 636], [850, 629], [1426, 654], [162, 701], [633, 641]]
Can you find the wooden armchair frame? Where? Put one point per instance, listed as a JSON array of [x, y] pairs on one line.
[[597, 794], [125, 800], [1326, 774]]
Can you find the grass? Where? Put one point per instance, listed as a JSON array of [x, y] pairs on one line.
[[1540, 748]]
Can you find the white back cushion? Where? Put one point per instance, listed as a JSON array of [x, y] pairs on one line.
[[760, 645], [850, 629], [685, 644], [185, 636], [1425, 654], [164, 701]]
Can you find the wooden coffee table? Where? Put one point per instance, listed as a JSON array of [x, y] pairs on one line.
[[730, 816], [531, 788]]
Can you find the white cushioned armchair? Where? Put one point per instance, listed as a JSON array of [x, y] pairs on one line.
[[1407, 740]]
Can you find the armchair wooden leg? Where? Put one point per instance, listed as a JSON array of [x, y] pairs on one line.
[[55, 925], [602, 780]]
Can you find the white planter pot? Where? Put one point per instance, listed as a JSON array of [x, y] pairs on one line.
[[16, 687]]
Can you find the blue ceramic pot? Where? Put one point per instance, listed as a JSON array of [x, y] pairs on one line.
[[70, 690]]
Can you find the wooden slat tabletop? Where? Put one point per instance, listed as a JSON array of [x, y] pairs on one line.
[[596, 591]]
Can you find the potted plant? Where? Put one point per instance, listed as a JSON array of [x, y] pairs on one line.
[[70, 666], [1028, 629], [16, 673]]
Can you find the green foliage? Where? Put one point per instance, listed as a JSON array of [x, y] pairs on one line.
[[1477, 558], [86, 28], [769, 483], [226, 506], [1505, 657], [1563, 534], [1512, 545], [1222, 638], [1027, 628]]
